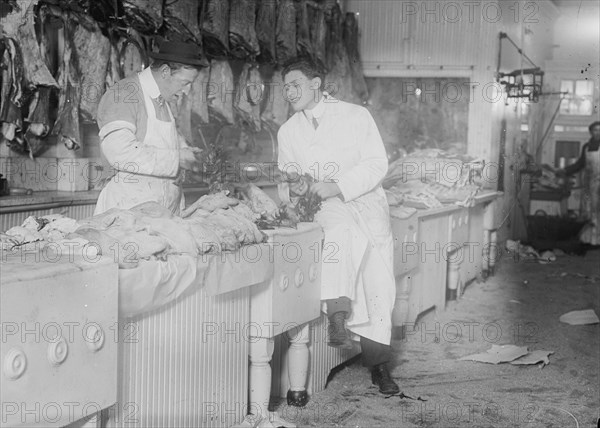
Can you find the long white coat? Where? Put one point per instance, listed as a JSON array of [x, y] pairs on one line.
[[357, 258]]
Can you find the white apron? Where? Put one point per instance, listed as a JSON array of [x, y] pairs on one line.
[[590, 200], [358, 262], [357, 256], [127, 189]]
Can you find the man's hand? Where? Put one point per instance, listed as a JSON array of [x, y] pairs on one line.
[[299, 187], [187, 158], [325, 190], [297, 184], [560, 173]]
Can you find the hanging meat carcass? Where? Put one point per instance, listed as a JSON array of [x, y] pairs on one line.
[[318, 32], [144, 15], [132, 54], [198, 98], [220, 91], [243, 42], [39, 121], [8, 7], [11, 68], [303, 40], [181, 16], [266, 24], [93, 53], [277, 108], [66, 126], [286, 31], [338, 81], [20, 26], [351, 35], [113, 72], [214, 26], [192, 109], [249, 94]]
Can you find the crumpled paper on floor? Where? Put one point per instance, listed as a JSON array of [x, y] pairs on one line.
[[587, 316], [534, 357], [498, 354], [517, 355]]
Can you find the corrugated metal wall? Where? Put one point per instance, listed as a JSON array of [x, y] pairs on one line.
[[399, 37], [186, 365], [384, 35]]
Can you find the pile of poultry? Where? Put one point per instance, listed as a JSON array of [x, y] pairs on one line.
[[431, 178], [213, 224]]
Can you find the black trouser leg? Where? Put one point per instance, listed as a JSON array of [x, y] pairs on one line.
[[374, 353], [341, 304]]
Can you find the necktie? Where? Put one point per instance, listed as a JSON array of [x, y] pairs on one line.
[[311, 119], [315, 122], [160, 106]]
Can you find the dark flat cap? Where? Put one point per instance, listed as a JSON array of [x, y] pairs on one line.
[[181, 52]]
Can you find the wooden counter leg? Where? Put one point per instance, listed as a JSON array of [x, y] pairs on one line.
[[493, 251], [261, 352], [453, 275], [485, 258], [298, 356]]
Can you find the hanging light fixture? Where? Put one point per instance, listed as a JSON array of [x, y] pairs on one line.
[[524, 83]]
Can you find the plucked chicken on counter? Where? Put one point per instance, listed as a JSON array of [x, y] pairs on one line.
[[215, 223]]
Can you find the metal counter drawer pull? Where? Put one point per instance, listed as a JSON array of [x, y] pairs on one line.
[[58, 351], [284, 282], [312, 271], [15, 364], [299, 277], [94, 337]]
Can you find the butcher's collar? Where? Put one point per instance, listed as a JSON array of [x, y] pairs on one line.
[[148, 84], [318, 110]]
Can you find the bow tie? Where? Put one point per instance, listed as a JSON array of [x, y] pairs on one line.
[[160, 100]]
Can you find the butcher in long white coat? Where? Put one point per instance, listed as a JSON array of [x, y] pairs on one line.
[[339, 146]]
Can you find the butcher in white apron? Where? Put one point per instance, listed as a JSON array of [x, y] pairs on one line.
[[589, 162], [339, 146], [138, 134]]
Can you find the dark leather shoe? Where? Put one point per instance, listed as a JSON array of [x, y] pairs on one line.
[[337, 334], [381, 378]]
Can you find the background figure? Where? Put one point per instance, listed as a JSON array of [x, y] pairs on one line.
[[589, 162]]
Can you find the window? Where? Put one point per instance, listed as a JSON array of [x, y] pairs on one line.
[[579, 100]]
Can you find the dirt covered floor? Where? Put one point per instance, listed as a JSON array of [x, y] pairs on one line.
[[520, 305]]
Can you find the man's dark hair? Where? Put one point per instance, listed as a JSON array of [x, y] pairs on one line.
[[309, 67], [175, 66], [593, 125]]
